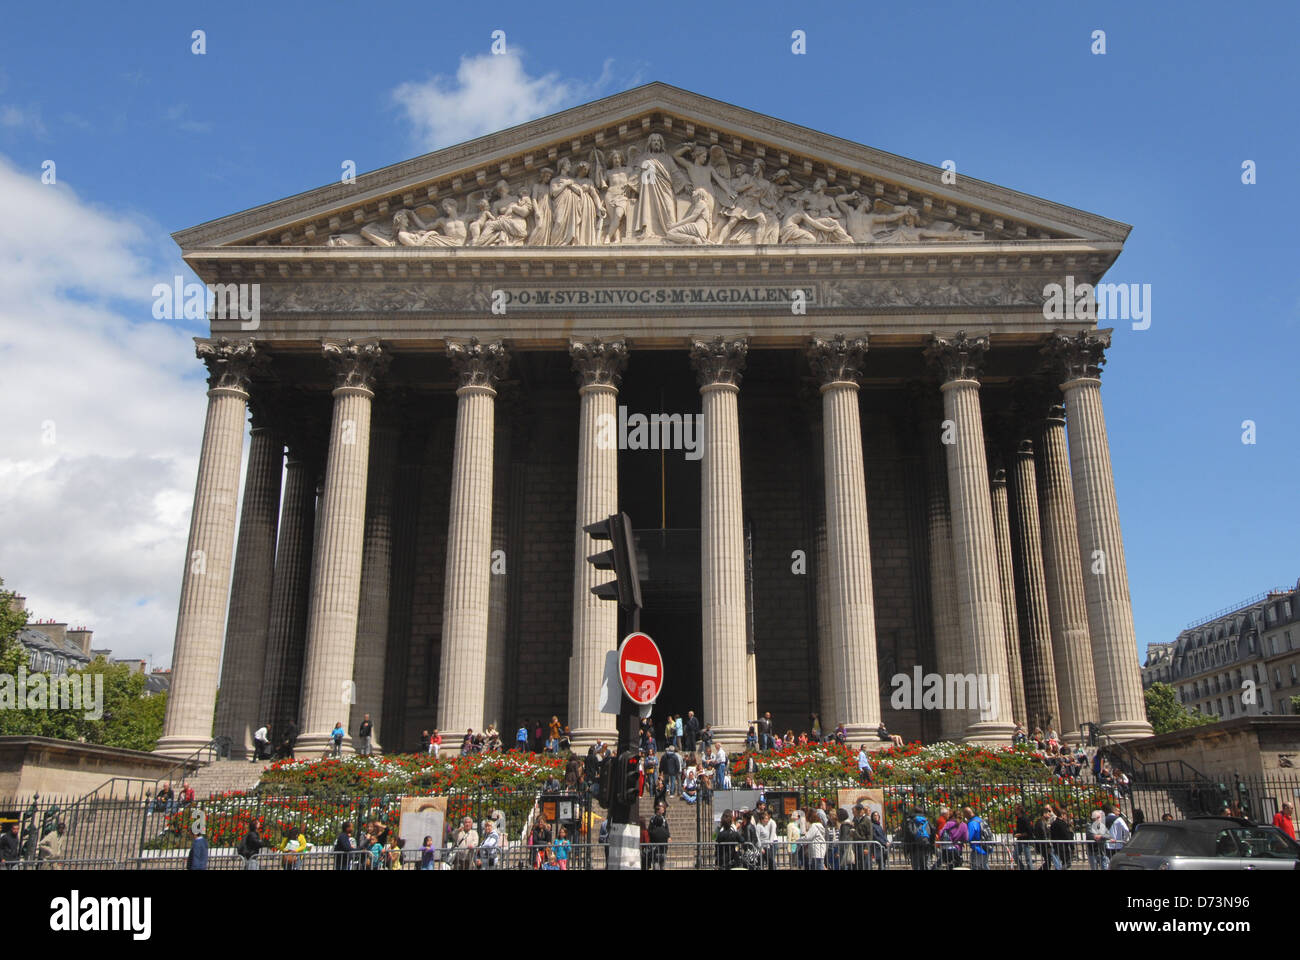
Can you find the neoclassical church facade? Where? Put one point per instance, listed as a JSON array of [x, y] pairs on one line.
[[819, 378]]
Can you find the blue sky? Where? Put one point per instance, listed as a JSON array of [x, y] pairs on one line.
[[149, 138]]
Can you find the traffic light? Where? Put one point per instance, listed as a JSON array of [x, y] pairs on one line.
[[620, 558], [627, 778]]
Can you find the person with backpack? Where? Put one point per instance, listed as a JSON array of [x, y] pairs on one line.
[[728, 843], [336, 739], [953, 836], [915, 839], [918, 840], [977, 830]]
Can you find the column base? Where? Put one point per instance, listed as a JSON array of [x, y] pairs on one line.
[[584, 737], [859, 733], [993, 733], [1127, 729], [318, 746], [180, 746]]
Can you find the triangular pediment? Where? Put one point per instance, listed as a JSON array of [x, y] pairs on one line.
[[656, 165]]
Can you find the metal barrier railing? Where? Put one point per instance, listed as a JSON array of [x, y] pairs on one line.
[[999, 854]]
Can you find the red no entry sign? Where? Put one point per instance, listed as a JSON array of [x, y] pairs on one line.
[[641, 668]]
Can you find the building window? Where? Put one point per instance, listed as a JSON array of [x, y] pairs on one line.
[[1232, 705], [1277, 679], [1293, 677], [1290, 644]]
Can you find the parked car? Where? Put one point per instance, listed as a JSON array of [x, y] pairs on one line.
[[1207, 843]]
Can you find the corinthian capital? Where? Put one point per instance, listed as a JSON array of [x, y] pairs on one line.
[[230, 362], [838, 358], [478, 364], [356, 363], [1082, 354], [598, 362], [719, 360], [958, 358]]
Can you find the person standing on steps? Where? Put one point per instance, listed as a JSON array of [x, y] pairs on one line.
[[366, 731]]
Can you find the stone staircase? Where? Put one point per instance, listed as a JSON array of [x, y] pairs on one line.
[[224, 776]]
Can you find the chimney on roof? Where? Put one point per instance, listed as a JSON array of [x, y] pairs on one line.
[[18, 603], [81, 636], [57, 632]]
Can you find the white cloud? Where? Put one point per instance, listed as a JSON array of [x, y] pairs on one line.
[[489, 93], [95, 522]]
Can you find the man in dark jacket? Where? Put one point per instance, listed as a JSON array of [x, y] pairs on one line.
[[1062, 831], [250, 846], [343, 848], [691, 731], [659, 834], [11, 846], [861, 834], [671, 768]]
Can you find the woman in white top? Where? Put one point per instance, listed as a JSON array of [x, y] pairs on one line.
[[814, 843]]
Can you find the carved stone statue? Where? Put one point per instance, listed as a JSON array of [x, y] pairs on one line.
[[698, 222], [679, 192], [540, 194], [656, 203], [619, 184]]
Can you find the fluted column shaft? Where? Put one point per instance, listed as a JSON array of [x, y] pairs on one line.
[[1076, 689], [1105, 580], [370, 656], [722, 540], [287, 633], [837, 362], [239, 709], [206, 582], [595, 621], [494, 679], [979, 591], [328, 692], [1007, 581], [1034, 607], [463, 668], [949, 652], [974, 548]]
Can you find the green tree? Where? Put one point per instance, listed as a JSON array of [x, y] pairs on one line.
[[1165, 713], [1295, 706]]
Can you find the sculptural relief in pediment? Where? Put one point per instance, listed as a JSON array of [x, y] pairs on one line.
[[658, 191]]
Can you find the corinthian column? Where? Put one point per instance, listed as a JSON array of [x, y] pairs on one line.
[[328, 691], [1105, 580], [1035, 623], [837, 363], [206, 582], [466, 593], [370, 656], [722, 538], [1007, 581], [979, 602], [1076, 688], [239, 710], [595, 621]]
